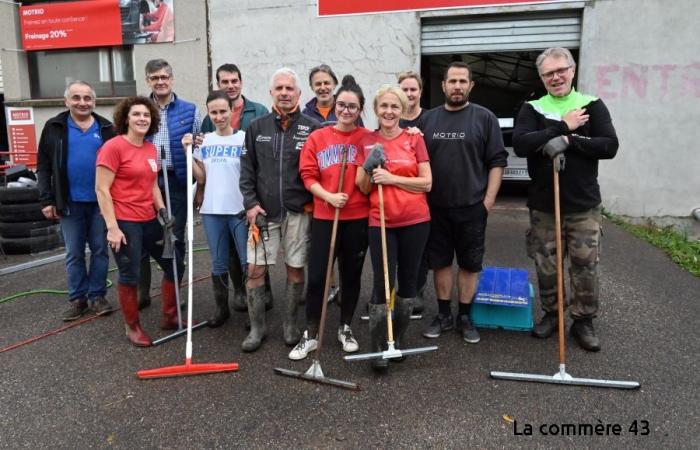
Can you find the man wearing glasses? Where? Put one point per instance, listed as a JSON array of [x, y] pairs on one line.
[[67, 155], [177, 118], [570, 132]]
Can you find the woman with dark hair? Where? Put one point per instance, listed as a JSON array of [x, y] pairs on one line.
[[134, 211], [218, 165], [320, 166], [398, 161]]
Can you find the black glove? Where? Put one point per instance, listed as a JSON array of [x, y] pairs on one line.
[[375, 158], [165, 220]]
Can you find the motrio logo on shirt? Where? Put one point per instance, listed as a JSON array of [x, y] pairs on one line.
[[449, 135]]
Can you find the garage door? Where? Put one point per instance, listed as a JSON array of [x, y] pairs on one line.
[[476, 34]]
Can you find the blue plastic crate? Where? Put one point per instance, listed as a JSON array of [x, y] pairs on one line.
[[504, 299]]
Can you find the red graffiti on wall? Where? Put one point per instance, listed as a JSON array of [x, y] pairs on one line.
[[642, 81]]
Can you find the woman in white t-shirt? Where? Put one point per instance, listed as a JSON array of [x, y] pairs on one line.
[[217, 162]]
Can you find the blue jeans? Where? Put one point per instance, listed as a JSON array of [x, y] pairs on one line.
[[82, 223], [140, 237], [219, 229]]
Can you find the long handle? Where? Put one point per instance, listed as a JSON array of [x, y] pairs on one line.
[[176, 279], [560, 269], [331, 257], [190, 262], [385, 267]]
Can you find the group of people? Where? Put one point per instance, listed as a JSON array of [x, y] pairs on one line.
[[266, 180]]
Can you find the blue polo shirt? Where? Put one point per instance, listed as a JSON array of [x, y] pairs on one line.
[[82, 156]]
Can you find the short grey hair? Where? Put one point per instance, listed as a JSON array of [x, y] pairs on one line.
[[155, 65], [288, 72], [555, 52], [81, 83]]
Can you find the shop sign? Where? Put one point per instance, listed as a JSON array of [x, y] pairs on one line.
[[22, 135], [344, 7]]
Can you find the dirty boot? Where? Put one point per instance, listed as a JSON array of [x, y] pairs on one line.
[[236, 274], [222, 313], [377, 333], [144, 288], [290, 330], [129, 305], [584, 334], [419, 301], [546, 326], [403, 308], [256, 313]]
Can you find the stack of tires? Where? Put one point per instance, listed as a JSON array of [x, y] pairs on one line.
[[23, 227]]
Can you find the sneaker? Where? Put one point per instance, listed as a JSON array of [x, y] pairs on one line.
[[303, 348], [466, 327], [75, 309], [440, 323], [347, 339], [101, 306]]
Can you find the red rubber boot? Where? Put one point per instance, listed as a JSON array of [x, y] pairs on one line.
[[128, 299], [169, 303]]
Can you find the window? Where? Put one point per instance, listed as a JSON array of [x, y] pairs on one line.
[[110, 70]]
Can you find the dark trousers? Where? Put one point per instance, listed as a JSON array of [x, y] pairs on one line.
[[405, 246], [140, 237], [350, 250]]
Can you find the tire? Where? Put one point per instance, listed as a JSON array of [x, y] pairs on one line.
[[22, 212], [18, 195], [27, 229], [23, 246]]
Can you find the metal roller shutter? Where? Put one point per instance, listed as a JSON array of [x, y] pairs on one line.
[[501, 33]]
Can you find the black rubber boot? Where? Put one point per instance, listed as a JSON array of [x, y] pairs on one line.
[[144, 287], [256, 313], [290, 330], [377, 333], [419, 301], [236, 274], [546, 326], [220, 283], [268, 293], [584, 334], [403, 308]]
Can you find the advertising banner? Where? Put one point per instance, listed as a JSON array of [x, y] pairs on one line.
[[21, 135], [344, 7]]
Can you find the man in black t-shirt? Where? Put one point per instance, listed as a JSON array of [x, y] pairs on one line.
[[467, 158]]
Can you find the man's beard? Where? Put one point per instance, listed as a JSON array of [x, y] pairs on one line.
[[457, 103]]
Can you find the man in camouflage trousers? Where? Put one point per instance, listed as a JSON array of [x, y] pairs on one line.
[[569, 132]]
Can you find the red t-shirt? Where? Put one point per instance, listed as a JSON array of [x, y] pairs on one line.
[[320, 162], [403, 153], [236, 117], [135, 171]]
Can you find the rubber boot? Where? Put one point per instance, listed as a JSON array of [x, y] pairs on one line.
[[256, 313], [377, 333], [290, 330], [547, 325], [130, 310], [236, 274], [268, 292], [222, 313], [403, 308], [169, 306], [145, 284], [419, 301]]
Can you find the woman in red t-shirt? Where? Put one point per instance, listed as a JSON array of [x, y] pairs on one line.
[[320, 166], [399, 162], [132, 207]]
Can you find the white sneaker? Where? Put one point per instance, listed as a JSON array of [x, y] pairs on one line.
[[347, 339], [303, 348]]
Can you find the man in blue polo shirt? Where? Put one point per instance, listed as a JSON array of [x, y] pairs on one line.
[[66, 169]]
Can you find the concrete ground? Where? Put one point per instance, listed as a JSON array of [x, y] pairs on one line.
[[78, 388]]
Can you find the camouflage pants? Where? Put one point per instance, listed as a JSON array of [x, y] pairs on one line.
[[581, 234]]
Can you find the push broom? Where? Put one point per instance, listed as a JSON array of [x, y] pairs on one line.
[[315, 372], [562, 377], [188, 368], [169, 252], [391, 352]]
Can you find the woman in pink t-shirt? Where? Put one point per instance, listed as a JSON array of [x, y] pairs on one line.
[[133, 209], [399, 162]]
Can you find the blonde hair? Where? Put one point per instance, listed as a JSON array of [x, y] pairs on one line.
[[411, 74], [391, 89]]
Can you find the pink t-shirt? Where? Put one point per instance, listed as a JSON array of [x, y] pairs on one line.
[[135, 171]]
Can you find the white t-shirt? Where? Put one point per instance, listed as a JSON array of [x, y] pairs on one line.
[[222, 162]]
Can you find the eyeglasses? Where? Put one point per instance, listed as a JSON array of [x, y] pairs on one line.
[[351, 107], [159, 77], [558, 72]]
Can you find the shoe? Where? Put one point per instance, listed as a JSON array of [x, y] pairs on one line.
[[256, 313], [466, 327], [290, 330], [438, 325], [346, 338], [222, 314], [584, 334], [101, 306], [130, 310], [303, 348], [75, 310], [547, 325]]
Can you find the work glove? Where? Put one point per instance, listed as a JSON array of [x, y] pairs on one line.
[[169, 238], [165, 219], [375, 158], [554, 150]]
